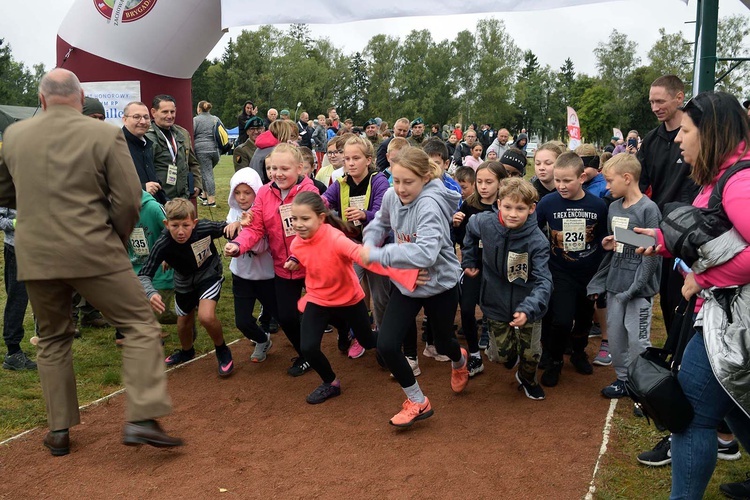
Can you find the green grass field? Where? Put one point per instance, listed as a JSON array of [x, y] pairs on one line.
[[98, 361]]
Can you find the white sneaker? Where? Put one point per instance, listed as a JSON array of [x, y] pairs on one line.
[[414, 363], [261, 350], [431, 352]]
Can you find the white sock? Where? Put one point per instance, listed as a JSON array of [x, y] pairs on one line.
[[414, 393]]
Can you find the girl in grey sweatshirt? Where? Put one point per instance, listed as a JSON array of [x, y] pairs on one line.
[[418, 209]]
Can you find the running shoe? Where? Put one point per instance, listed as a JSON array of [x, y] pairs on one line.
[[475, 366], [534, 392], [180, 356], [737, 490], [411, 412], [551, 376], [431, 352], [261, 351], [226, 365], [413, 364], [356, 350], [660, 455], [580, 362], [615, 390], [323, 392], [729, 451], [604, 358], [299, 367], [460, 376]]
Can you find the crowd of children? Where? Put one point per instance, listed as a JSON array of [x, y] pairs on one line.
[[365, 251]]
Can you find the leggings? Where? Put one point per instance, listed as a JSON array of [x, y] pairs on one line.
[[399, 318], [208, 161], [314, 321], [288, 292], [469, 300], [246, 292]]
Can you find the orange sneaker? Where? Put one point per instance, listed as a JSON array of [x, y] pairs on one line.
[[460, 376], [411, 412]]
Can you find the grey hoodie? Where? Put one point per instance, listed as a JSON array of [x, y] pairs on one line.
[[422, 232]]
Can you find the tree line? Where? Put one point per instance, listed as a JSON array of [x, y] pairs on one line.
[[480, 76]]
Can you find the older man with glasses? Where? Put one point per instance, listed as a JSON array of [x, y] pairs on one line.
[[464, 148], [136, 122]]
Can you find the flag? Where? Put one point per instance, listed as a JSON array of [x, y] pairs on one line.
[[574, 129]]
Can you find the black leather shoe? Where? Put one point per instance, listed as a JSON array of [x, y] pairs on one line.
[[58, 443], [148, 432]]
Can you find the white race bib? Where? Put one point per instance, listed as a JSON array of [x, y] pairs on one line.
[[286, 219], [621, 222], [201, 250], [518, 266], [172, 175], [357, 202], [138, 242], [574, 235]]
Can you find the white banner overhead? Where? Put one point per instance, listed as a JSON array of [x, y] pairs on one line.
[[239, 13]]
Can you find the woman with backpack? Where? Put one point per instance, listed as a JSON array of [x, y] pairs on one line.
[[206, 149], [715, 369]]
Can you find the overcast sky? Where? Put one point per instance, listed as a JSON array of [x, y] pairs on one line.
[[31, 28]]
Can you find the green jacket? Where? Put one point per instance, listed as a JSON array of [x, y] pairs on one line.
[[163, 159], [144, 236], [243, 154]]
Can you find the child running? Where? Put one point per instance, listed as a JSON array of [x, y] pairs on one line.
[[252, 272], [418, 210], [333, 294], [488, 177], [515, 279], [272, 216], [544, 165], [187, 246]]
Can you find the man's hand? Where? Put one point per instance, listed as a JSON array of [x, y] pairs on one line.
[[157, 304], [152, 187], [471, 272]]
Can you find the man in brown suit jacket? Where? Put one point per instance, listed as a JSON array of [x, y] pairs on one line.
[[78, 197]]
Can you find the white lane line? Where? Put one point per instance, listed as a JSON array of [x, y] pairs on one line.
[[603, 448]]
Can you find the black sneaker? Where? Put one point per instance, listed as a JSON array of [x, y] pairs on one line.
[[737, 490], [18, 361], [344, 342], [484, 339], [475, 366], [661, 454], [729, 451], [273, 326], [180, 356], [224, 357], [299, 367], [323, 392], [580, 362], [532, 391], [551, 375], [615, 390]]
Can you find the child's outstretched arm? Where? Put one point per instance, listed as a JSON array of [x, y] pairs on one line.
[[249, 236], [376, 231]]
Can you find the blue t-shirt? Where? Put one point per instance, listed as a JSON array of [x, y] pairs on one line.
[[452, 185], [575, 229]]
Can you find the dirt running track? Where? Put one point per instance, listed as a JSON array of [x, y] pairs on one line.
[[255, 436]]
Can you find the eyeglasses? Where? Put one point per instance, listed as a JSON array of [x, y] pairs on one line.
[[334, 152], [137, 117]]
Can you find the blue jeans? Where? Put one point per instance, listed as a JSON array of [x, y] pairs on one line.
[[694, 451]]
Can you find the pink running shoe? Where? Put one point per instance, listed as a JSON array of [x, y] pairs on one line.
[[411, 412], [356, 350]]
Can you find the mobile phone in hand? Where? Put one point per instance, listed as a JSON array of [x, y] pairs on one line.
[[633, 239]]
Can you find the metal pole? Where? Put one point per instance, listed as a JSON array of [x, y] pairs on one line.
[[705, 45]]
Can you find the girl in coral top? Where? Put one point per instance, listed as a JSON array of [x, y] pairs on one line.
[[333, 291]]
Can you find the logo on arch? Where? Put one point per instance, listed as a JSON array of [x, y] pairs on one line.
[[124, 11]]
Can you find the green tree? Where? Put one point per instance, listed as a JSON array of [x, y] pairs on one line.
[[533, 95], [616, 60], [465, 72], [560, 98], [353, 100], [18, 84], [640, 116], [496, 71], [672, 54], [732, 43], [412, 77], [380, 55], [595, 114]]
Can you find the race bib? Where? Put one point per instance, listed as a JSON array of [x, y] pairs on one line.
[[621, 222], [574, 235], [286, 219], [357, 202], [518, 266], [172, 175], [201, 250], [138, 242]]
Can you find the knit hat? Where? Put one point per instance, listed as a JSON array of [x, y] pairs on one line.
[[254, 122], [516, 159], [92, 106]]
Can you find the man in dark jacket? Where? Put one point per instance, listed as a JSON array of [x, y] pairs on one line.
[[305, 131], [135, 121], [464, 148]]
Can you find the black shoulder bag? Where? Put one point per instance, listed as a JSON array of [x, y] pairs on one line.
[[652, 376]]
